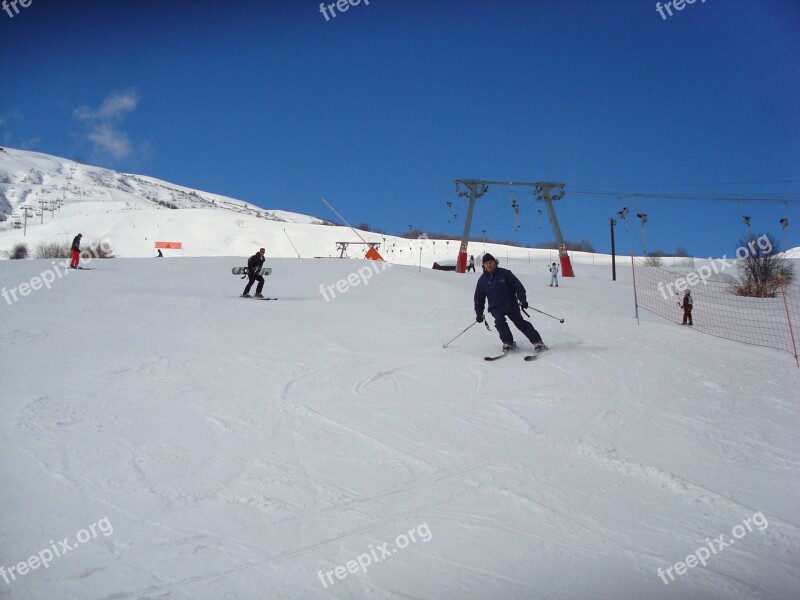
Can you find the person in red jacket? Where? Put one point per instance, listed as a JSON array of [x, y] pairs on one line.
[[686, 305], [76, 252]]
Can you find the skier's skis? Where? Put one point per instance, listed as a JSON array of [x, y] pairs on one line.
[[530, 357], [505, 353], [254, 298]]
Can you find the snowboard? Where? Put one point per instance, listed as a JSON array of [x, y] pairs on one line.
[[264, 271]]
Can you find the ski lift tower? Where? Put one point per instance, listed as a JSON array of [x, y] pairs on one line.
[[27, 211], [474, 189], [545, 191], [549, 192]]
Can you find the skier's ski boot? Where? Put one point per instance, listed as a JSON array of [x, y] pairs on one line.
[[539, 347], [258, 295], [510, 346], [245, 296]]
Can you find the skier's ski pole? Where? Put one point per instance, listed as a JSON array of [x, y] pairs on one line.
[[544, 313], [465, 331]]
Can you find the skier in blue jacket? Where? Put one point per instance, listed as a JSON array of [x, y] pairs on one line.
[[506, 295]]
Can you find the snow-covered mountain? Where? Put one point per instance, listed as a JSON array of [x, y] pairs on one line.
[[63, 197], [29, 178]]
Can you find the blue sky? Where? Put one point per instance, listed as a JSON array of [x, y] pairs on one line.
[[379, 108]]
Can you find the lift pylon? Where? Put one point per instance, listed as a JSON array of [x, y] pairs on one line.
[[544, 191]]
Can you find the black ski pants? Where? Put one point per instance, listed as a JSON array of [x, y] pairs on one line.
[[251, 280], [515, 316]]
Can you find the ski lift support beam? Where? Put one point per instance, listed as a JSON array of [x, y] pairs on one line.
[[545, 191]]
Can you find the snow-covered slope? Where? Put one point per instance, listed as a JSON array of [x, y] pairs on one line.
[[224, 448], [26, 178], [131, 212]]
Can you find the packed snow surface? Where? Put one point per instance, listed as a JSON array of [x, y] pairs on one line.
[[189, 444]]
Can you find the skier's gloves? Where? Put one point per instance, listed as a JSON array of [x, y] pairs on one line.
[[523, 304], [479, 317]]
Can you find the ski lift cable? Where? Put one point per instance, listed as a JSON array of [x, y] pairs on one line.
[[686, 184], [780, 198]]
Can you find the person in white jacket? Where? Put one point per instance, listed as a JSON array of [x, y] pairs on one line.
[[554, 275]]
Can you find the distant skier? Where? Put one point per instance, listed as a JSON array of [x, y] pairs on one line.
[[471, 264], [554, 275], [160, 254], [254, 264], [686, 305], [503, 291], [75, 251]]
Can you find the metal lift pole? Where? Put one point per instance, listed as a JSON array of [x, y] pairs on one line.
[[551, 212], [544, 194], [461, 265], [542, 190], [613, 253]]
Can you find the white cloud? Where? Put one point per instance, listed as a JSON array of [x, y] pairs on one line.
[[110, 141], [103, 124], [113, 108]]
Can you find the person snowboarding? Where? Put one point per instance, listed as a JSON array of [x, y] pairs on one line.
[[471, 264], [506, 296], [75, 251], [554, 275], [254, 264], [686, 305]]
